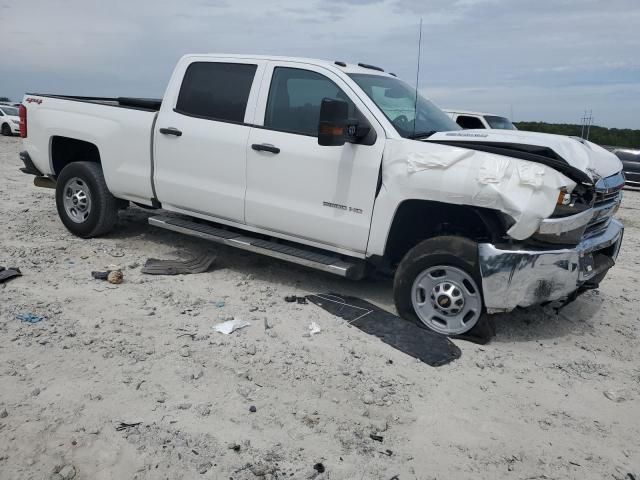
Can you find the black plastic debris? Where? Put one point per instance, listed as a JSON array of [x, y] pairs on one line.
[[111, 276], [101, 275], [200, 264], [295, 299], [377, 438], [431, 348], [319, 467], [124, 426], [9, 273], [253, 409]]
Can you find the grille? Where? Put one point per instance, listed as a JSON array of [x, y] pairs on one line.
[[607, 201]]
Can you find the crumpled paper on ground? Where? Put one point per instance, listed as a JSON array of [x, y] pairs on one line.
[[314, 328], [231, 326]]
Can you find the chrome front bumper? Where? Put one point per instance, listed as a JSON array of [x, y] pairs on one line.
[[513, 277]]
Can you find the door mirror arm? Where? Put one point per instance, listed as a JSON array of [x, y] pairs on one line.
[[356, 133]]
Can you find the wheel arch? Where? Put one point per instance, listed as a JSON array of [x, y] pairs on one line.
[[65, 150], [418, 220]]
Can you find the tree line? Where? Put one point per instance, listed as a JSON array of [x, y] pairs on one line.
[[616, 137]]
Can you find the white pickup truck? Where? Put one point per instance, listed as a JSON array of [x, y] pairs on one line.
[[338, 167]]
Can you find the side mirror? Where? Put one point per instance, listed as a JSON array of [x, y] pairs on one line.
[[333, 122]]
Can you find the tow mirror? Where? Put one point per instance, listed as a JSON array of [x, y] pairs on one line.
[[333, 122], [335, 127]]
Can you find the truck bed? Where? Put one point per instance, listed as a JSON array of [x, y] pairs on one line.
[[120, 129]]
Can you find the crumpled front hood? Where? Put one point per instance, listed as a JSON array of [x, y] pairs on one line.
[[586, 156]]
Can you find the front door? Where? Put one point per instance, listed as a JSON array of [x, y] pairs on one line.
[[295, 186], [201, 137]]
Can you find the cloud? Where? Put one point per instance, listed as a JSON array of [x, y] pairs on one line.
[[566, 54]]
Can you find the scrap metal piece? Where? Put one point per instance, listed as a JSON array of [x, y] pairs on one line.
[[200, 264], [8, 273]]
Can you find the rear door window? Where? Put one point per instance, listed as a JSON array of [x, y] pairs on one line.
[[468, 122], [216, 91]]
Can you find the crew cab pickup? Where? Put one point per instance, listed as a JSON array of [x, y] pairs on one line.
[[338, 167]]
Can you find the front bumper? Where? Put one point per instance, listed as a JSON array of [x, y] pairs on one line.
[[513, 277]]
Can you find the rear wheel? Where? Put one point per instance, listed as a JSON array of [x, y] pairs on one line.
[[437, 284], [85, 205], [6, 130]]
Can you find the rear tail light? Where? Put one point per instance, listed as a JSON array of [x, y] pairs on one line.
[[22, 111]]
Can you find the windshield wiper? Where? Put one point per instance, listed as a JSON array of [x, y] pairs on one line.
[[415, 136]]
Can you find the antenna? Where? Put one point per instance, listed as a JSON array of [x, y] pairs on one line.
[[415, 104], [590, 123]]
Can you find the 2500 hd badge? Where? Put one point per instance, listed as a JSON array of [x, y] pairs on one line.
[[342, 207]]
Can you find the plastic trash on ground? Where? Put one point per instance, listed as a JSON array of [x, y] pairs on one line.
[[29, 317], [314, 328], [231, 326]]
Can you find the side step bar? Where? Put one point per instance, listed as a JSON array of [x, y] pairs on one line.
[[309, 258]]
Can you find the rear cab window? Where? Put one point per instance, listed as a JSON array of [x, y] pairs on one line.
[[468, 122], [216, 91]]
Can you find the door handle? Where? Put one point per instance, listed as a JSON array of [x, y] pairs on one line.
[[265, 147], [171, 131]]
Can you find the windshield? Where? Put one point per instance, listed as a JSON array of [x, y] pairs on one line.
[[10, 111], [397, 100], [500, 123]]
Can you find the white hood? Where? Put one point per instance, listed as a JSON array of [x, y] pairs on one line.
[[592, 159]]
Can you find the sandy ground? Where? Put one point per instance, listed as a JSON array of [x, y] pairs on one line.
[[530, 405]]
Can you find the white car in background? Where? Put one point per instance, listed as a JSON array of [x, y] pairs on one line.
[[9, 120], [477, 120]]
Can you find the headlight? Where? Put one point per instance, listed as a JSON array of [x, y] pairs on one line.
[[572, 203], [564, 198], [17, 122], [570, 218]]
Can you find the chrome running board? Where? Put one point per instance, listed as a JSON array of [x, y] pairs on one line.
[[312, 258]]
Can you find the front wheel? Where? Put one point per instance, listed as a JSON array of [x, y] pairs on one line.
[[438, 285], [85, 205], [6, 130]]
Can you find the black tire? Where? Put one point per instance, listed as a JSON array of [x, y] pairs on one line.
[[453, 251], [103, 213], [6, 130]]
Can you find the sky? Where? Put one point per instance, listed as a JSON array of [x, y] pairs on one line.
[[537, 60]]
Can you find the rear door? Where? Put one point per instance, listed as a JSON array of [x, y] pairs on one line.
[[201, 136], [315, 193]]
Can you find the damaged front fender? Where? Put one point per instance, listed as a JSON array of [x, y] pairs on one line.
[[525, 191]]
